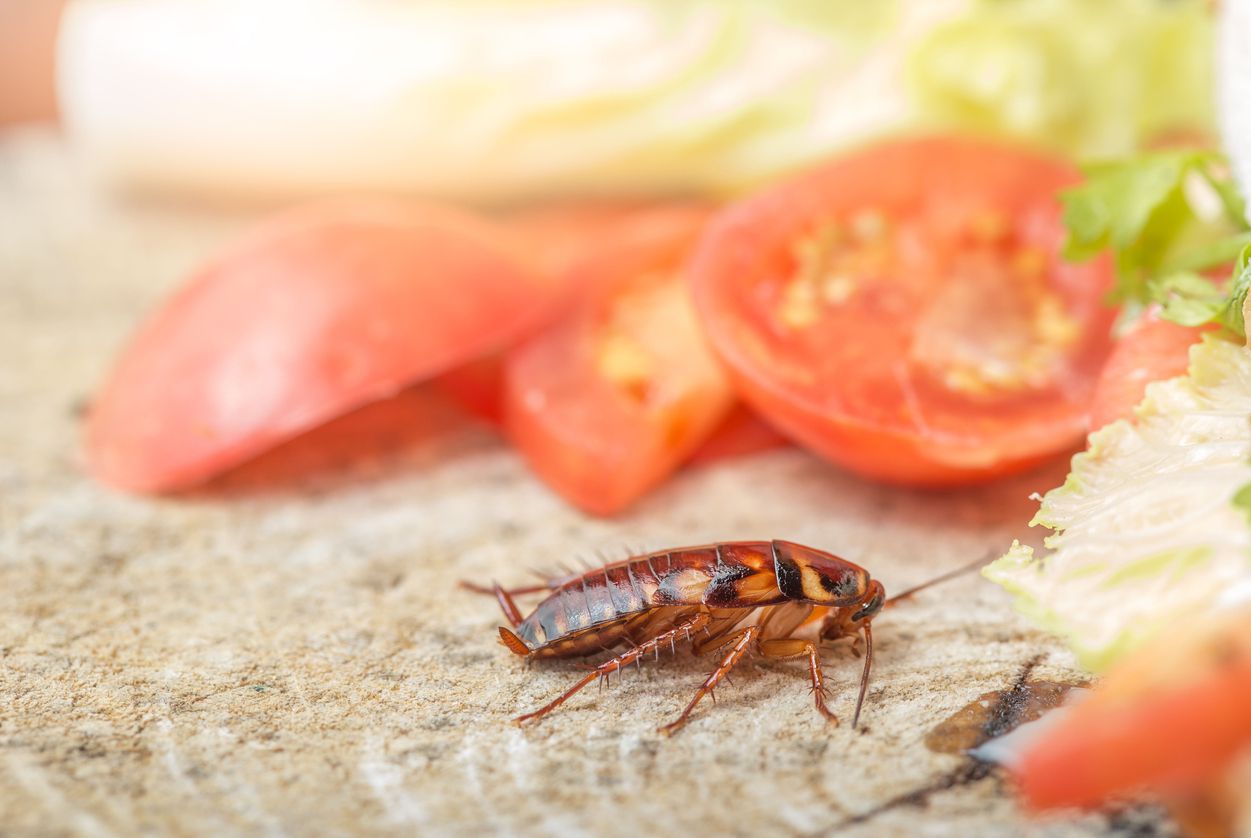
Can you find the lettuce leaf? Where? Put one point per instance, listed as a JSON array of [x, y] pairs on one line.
[[1093, 78], [1151, 524]]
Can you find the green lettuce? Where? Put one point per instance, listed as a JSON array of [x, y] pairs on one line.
[[1093, 78], [1151, 525]]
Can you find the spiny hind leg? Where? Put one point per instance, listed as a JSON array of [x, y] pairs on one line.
[[682, 629], [741, 641], [789, 648]]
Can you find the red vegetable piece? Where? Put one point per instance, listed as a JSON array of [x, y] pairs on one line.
[[905, 312], [1167, 720], [317, 312], [740, 434], [478, 388], [576, 243], [611, 400], [1152, 350]]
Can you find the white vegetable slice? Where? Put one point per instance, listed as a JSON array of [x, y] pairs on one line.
[[1145, 531]]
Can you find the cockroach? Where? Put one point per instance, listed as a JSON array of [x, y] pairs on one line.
[[702, 595]]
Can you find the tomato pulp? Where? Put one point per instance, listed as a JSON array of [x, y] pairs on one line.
[[905, 311]]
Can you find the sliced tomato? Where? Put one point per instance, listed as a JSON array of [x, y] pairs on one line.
[[575, 239], [572, 242], [608, 402], [905, 312], [740, 434], [1167, 720], [478, 388], [315, 313], [1152, 350]]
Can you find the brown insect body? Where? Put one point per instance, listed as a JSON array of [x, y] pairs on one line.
[[649, 601]]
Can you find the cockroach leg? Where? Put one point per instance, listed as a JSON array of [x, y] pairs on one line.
[[490, 591], [511, 612], [789, 648], [864, 676], [616, 664], [746, 637]]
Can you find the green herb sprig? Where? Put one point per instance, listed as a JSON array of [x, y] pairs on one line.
[[1140, 209]]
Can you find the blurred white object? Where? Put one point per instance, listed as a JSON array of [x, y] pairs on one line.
[[480, 99], [1233, 83], [498, 100]]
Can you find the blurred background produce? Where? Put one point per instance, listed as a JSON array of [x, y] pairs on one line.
[[497, 100]]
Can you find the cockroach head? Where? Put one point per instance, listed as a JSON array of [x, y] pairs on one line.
[[818, 577], [874, 599]]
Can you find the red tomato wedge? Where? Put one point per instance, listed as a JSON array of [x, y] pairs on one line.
[[317, 312], [740, 434], [1152, 350], [573, 242], [608, 402], [904, 311], [1167, 720], [575, 239], [478, 388]]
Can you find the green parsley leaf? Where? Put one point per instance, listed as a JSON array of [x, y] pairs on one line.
[[1139, 209], [1187, 298], [1136, 207]]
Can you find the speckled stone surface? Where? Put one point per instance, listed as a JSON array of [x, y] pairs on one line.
[[285, 652]]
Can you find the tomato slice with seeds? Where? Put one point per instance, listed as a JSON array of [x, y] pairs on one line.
[[608, 402], [905, 312], [317, 312]]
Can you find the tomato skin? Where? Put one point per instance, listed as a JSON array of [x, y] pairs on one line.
[[599, 440], [740, 434], [1167, 720], [478, 388], [1152, 350], [315, 313], [572, 243], [852, 385]]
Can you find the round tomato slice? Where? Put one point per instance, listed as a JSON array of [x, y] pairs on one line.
[[905, 312], [608, 402], [1152, 350], [317, 312], [1167, 720]]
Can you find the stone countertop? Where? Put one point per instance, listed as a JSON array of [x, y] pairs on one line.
[[285, 651]]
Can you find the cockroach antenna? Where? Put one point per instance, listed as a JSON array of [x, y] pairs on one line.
[[976, 564]]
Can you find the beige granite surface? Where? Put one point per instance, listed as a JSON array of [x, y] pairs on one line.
[[285, 652]]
